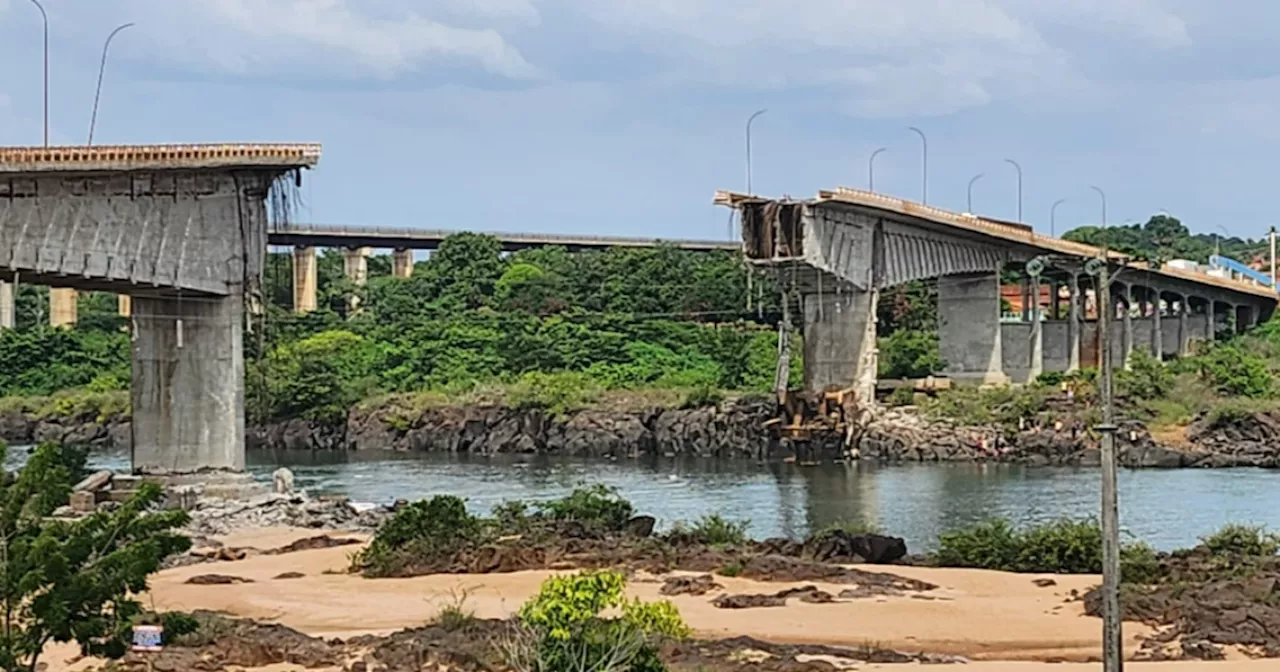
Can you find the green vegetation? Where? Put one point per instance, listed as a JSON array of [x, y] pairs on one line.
[[853, 527], [718, 531], [1248, 540], [1063, 546], [563, 628], [74, 581], [540, 328]]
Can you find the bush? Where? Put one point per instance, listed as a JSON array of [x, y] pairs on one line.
[[716, 530], [909, 354], [74, 581], [1145, 378], [561, 628], [1235, 371], [1247, 540], [901, 396], [1059, 547], [702, 396], [598, 505], [557, 393], [731, 569], [423, 530]]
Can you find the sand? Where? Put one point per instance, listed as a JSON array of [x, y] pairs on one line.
[[1002, 620]]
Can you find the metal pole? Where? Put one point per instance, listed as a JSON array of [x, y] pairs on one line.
[[44, 15], [102, 67], [1053, 216], [749, 120], [924, 179], [1015, 165], [1272, 235], [975, 179], [871, 168], [1111, 635]]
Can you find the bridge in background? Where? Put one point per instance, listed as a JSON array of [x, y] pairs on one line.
[[405, 238]]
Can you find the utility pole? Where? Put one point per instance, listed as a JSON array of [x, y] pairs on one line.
[[1112, 638], [1272, 236]]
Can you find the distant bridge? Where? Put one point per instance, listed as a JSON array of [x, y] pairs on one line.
[[406, 238]]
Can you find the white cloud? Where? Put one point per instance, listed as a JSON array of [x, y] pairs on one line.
[[336, 37]]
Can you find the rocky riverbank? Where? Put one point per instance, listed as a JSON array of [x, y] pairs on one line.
[[746, 428]]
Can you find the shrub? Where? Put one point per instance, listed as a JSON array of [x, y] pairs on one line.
[[1059, 547], [74, 581], [909, 354], [702, 396], [716, 530], [1235, 371], [594, 505], [901, 396], [422, 530], [1145, 378], [1246, 540], [556, 393], [992, 544], [561, 628], [731, 569]]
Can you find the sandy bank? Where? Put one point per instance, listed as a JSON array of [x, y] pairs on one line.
[[978, 614]]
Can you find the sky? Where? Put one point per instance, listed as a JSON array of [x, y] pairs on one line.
[[622, 117]]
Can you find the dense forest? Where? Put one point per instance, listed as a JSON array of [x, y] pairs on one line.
[[544, 322]]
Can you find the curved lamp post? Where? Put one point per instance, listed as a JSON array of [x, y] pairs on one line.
[[871, 168], [924, 170], [970, 201], [749, 120], [102, 67]]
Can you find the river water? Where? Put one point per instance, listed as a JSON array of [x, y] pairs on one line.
[[1168, 509]]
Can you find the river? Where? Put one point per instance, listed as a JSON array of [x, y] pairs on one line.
[[1168, 509]]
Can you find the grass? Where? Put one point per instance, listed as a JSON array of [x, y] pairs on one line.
[[455, 615], [76, 403], [731, 569], [719, 531]]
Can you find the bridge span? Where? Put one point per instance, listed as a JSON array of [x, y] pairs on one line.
[[407, 238], [835, 253]]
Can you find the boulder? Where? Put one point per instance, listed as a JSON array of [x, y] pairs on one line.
[[640, 526]]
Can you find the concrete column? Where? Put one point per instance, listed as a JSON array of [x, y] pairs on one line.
[[355, 265], [124, 305], [188, 383], [1073, 322], [402, 263], [969, 327], [62, 307], [1157, 332], [1126, 336], [1026, 299], [1184, 329], [1036, 366], [8, 309], [1055, 302], [304, 280], [1210, 323], [840, 341]]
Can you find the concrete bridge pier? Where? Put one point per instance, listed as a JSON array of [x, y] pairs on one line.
[[355, 265], [8, 306], [840, 340], [1074, 326], [1157, 328], [969, 333], [63, 307], [304, 280], [402, 263], [188, 383]]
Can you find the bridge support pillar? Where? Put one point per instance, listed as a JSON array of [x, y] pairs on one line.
[[1157, 330], [1210, 322], [188, 383], [1036, 366], [402, 263], [304, 280], [355, 265], [1126, 336], [8, 306], [1184, 328], [840, 341], [62, 307], [1073, 322], [969, 327]]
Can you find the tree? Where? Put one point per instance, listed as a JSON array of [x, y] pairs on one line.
[[66, 581]]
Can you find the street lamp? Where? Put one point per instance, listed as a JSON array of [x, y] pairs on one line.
[[44, 15], [102, 67], [1217, 240], [871, 168], [924, 171], [1019, 168], [749, 120], [975, 179], [1053, 216]]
